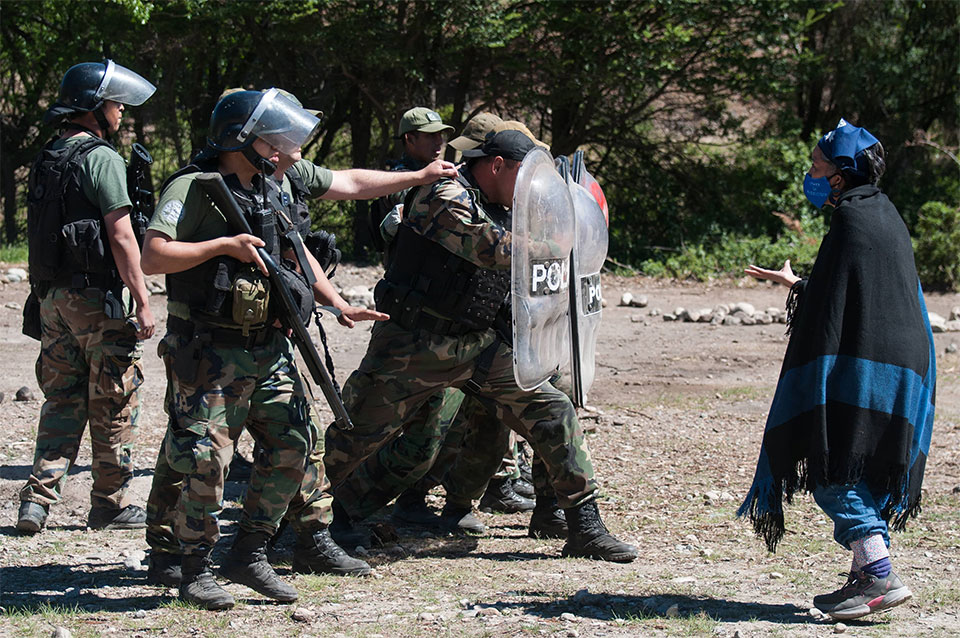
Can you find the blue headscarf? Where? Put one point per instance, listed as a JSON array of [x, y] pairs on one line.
[[844, 147]]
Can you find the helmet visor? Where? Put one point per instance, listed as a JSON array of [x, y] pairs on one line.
[[280, 122], [120, 84]]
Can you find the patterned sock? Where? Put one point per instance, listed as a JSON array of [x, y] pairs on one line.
[[871, 555], [880, 568]]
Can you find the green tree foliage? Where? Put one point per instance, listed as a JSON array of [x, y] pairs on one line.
[[937, 245]]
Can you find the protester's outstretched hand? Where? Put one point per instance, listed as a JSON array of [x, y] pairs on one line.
[[783, 276]]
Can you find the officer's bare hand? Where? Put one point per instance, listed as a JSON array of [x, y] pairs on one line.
[[146, 321], [244, 248], [783, 276], [351, 314], [437, 169]]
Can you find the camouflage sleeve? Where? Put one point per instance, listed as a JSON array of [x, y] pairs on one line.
[[447, 214]]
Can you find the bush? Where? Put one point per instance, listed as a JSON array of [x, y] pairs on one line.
[[937, 245]]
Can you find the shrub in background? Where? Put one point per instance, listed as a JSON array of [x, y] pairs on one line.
[[937, 245]]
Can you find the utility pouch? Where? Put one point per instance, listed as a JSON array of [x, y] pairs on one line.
[[251, 298], [31, 316], [84, 242], [299, 288]]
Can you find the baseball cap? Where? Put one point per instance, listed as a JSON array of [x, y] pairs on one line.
[[512, 145], [423, 120], [517, 125], [474, 131]]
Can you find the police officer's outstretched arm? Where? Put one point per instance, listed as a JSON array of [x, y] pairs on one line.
[[360, 183], [126, 255]]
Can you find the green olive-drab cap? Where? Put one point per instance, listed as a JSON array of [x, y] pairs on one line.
[[475, 131], [512, 145], [423, 120]]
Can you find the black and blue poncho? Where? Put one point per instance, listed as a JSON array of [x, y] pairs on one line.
[[855, 398]]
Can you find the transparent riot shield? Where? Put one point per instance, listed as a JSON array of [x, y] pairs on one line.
[[589, 253], [543, 235]]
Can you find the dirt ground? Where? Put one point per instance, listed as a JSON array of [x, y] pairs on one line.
[[680, 409]]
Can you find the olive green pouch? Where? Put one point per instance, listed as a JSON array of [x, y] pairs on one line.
[[251, 297]]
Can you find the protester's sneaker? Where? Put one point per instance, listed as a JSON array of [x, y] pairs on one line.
[[31, 517], [130, 517], [863, 594]]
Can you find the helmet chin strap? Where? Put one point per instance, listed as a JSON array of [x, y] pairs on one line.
[[102, 122], [259, 162]]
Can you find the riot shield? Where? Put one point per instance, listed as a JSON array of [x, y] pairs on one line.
[[543, 235], [589, 253]]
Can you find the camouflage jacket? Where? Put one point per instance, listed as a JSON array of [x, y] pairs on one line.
[[456, 214]]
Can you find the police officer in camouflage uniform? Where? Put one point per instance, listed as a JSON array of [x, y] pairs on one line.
[[421, 131], [309, 510], [229, 364], [431, 439], [443, 289], [84, 269]]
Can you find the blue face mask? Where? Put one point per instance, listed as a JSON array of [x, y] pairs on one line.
[[817, 190]]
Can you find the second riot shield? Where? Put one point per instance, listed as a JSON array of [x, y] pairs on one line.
[[543, 236], [586, 301]]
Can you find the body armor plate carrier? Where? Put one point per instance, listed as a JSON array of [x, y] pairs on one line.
[[67, 239], [428, 287]]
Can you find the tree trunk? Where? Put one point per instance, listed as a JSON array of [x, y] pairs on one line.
[[8, 179], [360, 120]]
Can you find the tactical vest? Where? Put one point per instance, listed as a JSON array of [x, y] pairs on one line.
[[65, 230], [299, 211], [428, 287], [206, 288]]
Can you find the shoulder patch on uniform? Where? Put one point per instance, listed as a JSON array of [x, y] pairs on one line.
[[171, 211]]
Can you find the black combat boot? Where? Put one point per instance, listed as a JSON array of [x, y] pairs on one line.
[[240, 469], [130, 517], [318, 553], [547, 520], [246, 563], [588, 538], [411, 509], [31, 517], [460, 520], [501, 498], [523, 488], [163, 568], [347, 535], [198, 587]]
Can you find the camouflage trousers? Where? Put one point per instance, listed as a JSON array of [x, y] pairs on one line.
[[437, 439], [403, 369], [308, 511], [89, 371], [213, 393]]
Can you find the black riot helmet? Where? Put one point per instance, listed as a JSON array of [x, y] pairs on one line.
[[242, 116], [87, 85]]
